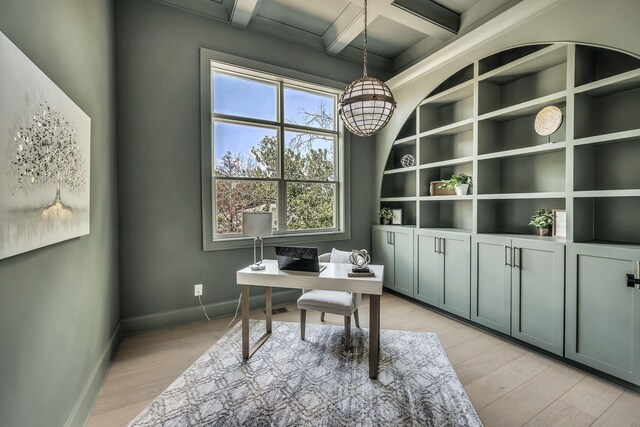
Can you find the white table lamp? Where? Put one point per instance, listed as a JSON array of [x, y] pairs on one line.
[[257, 225]]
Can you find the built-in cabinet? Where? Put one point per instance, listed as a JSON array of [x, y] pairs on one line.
[[602, 310], [393, 248], [443, 268], [475, 255]]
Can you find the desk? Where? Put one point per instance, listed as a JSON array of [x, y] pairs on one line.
[[332, 278]]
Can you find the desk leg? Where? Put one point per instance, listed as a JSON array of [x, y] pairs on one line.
[[267, 308], [374, 335], [245, 322]]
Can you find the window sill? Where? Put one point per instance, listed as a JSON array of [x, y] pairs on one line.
[[290, 239]]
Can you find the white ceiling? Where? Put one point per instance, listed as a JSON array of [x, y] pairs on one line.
[[397, 37]]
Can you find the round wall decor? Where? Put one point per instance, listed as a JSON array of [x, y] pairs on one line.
[[407, 161], [548, 120]]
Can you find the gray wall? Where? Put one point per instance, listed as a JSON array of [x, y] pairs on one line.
[[59, 304], [158, 104]]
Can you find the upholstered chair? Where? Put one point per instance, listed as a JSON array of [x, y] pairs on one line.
[[333, 302]]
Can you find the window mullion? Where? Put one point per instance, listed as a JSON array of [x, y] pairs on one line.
[[282, 185]]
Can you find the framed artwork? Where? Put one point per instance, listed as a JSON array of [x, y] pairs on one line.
[[559, 223], [397, 217], [45, 143]]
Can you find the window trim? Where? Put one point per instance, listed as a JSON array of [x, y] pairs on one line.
[[299, 79]]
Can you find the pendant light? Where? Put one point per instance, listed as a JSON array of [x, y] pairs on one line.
[[366, 105]]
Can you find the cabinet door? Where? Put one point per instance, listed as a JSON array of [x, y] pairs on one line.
[[537, 294], [456, 285], [430, 269], [403, 256], [603, 314], [382, 253], [491, 282]]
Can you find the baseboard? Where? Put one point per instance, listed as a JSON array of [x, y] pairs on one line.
[[166, 319], [84, 404]]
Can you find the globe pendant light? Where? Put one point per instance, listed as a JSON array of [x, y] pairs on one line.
[[366, 105]]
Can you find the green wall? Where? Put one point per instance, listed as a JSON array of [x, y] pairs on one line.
[[158, 104], [59, 304]]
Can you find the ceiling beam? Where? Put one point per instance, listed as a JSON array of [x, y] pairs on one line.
[[432, 12], [243, 11], [344, 29]]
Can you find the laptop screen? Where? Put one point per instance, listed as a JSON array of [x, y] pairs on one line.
[[297, 258]]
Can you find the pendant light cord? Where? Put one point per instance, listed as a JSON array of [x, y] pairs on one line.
[[364, 52]]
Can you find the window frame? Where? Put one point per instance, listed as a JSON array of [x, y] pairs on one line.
[[246, 68]]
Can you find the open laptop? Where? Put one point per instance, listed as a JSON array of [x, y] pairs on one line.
[[298, 259]]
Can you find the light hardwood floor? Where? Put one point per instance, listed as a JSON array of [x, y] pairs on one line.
[[508, 384]]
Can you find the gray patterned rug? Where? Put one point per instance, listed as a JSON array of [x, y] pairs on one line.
[[316, 382]]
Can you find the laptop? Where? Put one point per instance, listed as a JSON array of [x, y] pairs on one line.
[[298, 259]]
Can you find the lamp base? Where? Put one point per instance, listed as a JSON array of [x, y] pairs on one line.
[[255, 267]]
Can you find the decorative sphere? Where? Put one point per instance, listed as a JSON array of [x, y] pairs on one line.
[[360, 258], [407, 161], [366, 106]]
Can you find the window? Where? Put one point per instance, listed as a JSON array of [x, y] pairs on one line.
[[275, 146]]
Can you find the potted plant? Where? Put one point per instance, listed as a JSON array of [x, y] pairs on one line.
[[459, 182], [386, 214], [542, 220]]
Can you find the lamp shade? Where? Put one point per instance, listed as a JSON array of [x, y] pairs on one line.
[[366, 106], [257, 224]]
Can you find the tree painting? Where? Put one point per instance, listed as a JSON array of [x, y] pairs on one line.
[[48, 152]]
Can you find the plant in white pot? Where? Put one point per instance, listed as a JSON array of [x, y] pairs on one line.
[[459, 182], [542, 220], [386, 215]]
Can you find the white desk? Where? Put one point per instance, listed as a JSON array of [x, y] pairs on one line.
[[332, 278]]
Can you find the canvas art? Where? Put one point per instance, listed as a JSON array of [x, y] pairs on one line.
[[45, 141]]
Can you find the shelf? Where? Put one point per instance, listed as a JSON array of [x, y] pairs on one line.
[[455, 94], [514, 196], [608, 193], [546, 148], [533, 63], [440, 173], [607, 110], [529, 236], [450, 129], [612, 219], [448, 230], [609, 166], [511, 216], [497, 60], [445, 163], [609, 137], [400, 170], [532, 173], [447, 146], [398, 199], [394, 161], [595, 64], [444, 198], [399, 185], [458, 78], [614, 84], [407, 140], [525, 108], [523, 80], [499, 134], [409, 128], [450, 214]]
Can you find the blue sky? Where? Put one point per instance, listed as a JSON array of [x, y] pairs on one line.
[[246, 98]]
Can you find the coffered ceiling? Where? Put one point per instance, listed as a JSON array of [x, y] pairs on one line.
[[401, 32]]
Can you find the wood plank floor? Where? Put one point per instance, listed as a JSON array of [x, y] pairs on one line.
[[508, 384]]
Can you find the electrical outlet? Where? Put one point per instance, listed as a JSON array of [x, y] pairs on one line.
[[197, 291]]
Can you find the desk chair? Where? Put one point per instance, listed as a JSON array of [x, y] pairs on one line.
[[333, 302]]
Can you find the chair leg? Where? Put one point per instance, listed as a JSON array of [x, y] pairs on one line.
[[303, 320], [357, 318], [347, 331], [322, 316]]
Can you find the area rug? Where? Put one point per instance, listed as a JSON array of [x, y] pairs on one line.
[[316, 382]]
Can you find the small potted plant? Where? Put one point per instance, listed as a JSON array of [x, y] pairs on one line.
[[459, 182], [386, 214], [542, 220]]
